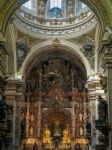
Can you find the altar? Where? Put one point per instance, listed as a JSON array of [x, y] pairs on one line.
[[57, 112]]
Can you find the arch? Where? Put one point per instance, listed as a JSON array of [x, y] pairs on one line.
[[63, 114], [44, 46], [100, 13]]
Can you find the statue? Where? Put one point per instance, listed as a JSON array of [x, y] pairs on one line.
[[66, 136], [102, 123], [23, 128], [47, 139], [85, 117], [31, 131], [102, 109], [88, 128], [81, 130], [77, 147], [103, 81], [57, 128], [35, 146], [2, 83], [32, 117], [3, 108], [80, 116]]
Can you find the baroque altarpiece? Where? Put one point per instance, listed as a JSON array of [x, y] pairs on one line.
[[56, 113]]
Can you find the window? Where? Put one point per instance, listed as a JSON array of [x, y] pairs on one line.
[[28, 4], [55, 3]]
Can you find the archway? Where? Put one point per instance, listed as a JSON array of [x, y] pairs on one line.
[[94, 6], [56, 121], [42, 85], [60, 46], [56, 98]]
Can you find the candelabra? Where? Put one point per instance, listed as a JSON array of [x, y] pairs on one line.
[[47, 140]]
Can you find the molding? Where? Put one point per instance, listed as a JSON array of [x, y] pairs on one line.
[[36, 30], [105, 52], [104, 44], [48, 45]]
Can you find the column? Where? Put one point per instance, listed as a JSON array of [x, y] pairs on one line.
[[4, 51], [10, 94], [19, 101], [73, 120], [107, 65], [27, 118], [39, 119], [14, 97], [95, 90]]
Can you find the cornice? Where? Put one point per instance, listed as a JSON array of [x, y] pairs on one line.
[[104, 44], [46, 32], [105, 53]]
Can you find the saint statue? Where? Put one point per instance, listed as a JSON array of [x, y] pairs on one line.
[[80, 116], [32, 117], [81, 130], [77, 147], [85, 117], [35, 146], [57, 130], [31, 131]]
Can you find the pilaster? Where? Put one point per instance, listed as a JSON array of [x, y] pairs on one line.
[[3, 56], [105, 53], [14, 97], [95, 89]]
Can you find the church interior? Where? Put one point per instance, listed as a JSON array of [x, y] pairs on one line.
[[55, 74]]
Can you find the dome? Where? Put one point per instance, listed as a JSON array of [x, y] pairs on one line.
[[55, 8], [55, 18]]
